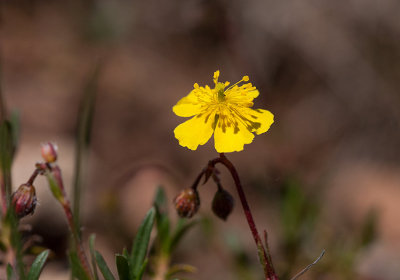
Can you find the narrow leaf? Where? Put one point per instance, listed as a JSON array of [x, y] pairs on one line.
[[139, 248], [123, 267], [92, 239], [141, 271], [6, 145], [82, 142], [125, 253], [162, 221], [180, 268], [77, 270], [37, 265], [15, 132], [160, 200], [103, 267], [10, 272]]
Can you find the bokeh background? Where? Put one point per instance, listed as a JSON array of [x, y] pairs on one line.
[[326, 175]]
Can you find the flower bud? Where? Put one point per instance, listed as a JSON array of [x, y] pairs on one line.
[[24, 200], [187, 203], [222, 204], [49, 152]]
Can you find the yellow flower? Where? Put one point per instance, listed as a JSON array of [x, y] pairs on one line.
[[226, 112]]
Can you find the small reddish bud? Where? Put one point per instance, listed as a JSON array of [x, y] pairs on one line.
[[222, 204], [49, 152], [187, 203], [24, 200]]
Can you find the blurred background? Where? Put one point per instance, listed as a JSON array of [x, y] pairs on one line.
[[326, 175]]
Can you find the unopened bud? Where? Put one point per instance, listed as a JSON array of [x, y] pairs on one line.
[[49, 152], [222, 204], [187, 203], [24, 200]]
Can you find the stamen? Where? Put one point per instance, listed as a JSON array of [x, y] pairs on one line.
[[244, 79], [216, 75]]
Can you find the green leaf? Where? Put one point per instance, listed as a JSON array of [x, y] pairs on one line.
[[10, 272], [82, 142], [37, 265], [125, 253], [77, 270], [122, 267], [103, 267], [6, 145], [141, 271], [180, 268], [162, 221], [369, 230], [163, 233], [15, 132], [11, 220], [92, 239], [139, 248], [160, 200]]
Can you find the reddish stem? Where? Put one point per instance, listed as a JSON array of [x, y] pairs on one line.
[[70, 218], [33, 176], [40, 168], [269, 271], [3, 193]]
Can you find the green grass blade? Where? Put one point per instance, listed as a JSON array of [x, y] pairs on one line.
[[139, 248], [37, 265], [103, 267]]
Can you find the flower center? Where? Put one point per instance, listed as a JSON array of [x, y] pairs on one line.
[[220, 88]]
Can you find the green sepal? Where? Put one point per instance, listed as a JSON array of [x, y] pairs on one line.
[[54, 187]]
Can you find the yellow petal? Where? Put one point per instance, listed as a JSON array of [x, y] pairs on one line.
[[262, 118], [253, 94], [231, 139], [196, 131], [238, 96], [188, 106]]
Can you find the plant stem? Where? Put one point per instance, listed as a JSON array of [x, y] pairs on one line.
[[264, 257], [33, 176], [71, 223], [3, 193]]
